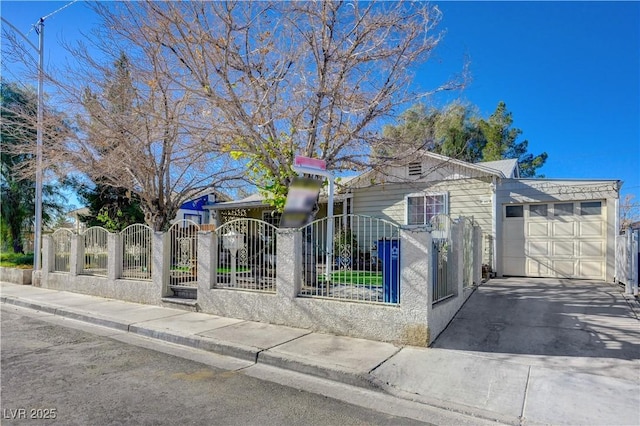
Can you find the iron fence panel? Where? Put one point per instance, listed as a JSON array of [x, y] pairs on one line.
[[443, 285], [360, 262], [136, 252], [95, 251], [61, 250], [246, 257], [467, 251], [183, 268]]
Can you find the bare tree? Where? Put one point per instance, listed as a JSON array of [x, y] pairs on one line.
[[285, 78], [629, 211], [134, 127]]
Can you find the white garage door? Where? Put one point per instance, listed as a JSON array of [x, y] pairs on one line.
[[563, 240]]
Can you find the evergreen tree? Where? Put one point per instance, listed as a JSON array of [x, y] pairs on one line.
[[501, 142], [17, 127], [457, 132]]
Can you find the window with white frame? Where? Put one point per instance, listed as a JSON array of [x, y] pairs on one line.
[[422, 207]]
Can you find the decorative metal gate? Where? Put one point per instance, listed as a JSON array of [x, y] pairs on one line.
[[183, 265], [136, 252], [95, 250], [443, 285], [360, 261], [61, 250], [246, 255]]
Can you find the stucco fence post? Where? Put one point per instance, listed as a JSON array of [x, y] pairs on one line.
[[160, 266], [207, 260], [416, 276], [288, 263], [76, 255], [114, 256], [47, 260]]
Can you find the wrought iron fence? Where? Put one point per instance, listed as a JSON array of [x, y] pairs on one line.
[[61, 250], [183, 267], [443, 279], [136, 252], [95, 251], [351, 257], [467, 251], [246, 255]]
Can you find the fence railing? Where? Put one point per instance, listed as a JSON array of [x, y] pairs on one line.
[[246, 257], [136, 252], [61, 250], [360, 262], [95, 251], [183, 267], [487, 251], [443, 285], [628, 260], [467, 251]]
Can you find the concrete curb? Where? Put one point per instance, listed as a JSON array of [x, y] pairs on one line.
[[199, 342], [234, 350], [30, 305], [338, 375]]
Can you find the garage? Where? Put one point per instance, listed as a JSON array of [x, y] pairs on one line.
[[564, 239]]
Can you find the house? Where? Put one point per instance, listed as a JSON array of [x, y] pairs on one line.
[[197, 208], [255, 206], [531, 227]]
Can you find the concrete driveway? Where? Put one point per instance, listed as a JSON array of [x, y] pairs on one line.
[[532, 351], [550, 321]]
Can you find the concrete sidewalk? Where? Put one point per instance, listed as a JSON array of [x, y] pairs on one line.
[[508, 390]]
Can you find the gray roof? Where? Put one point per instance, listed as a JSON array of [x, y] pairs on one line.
[[507, 167]]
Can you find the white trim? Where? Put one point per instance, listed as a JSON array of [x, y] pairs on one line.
[[424, 194]]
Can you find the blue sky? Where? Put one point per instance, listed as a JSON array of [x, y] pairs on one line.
[[568, 71]]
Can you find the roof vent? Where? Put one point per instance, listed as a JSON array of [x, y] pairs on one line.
[[415, 169]]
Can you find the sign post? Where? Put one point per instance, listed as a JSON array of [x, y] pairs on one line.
[[315, 166]]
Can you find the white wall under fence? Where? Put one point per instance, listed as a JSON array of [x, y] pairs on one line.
[[413, 319]]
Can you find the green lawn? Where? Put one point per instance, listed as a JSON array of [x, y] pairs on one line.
[[372, 279], [228, 270]]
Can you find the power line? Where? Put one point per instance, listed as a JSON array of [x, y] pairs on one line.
[[35, 26]]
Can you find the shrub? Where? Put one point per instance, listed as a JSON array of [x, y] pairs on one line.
[[13, 260]]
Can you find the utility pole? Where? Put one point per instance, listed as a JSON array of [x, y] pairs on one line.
[[37, 238]]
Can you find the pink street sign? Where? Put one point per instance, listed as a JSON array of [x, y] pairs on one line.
[[311, 163]]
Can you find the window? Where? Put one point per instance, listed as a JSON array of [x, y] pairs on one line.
[[539, 210], [422, 207], [515, 211], [564, 209], [590, 208], [415, 169]]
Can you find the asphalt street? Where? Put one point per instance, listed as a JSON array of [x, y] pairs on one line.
[[60, 375]]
